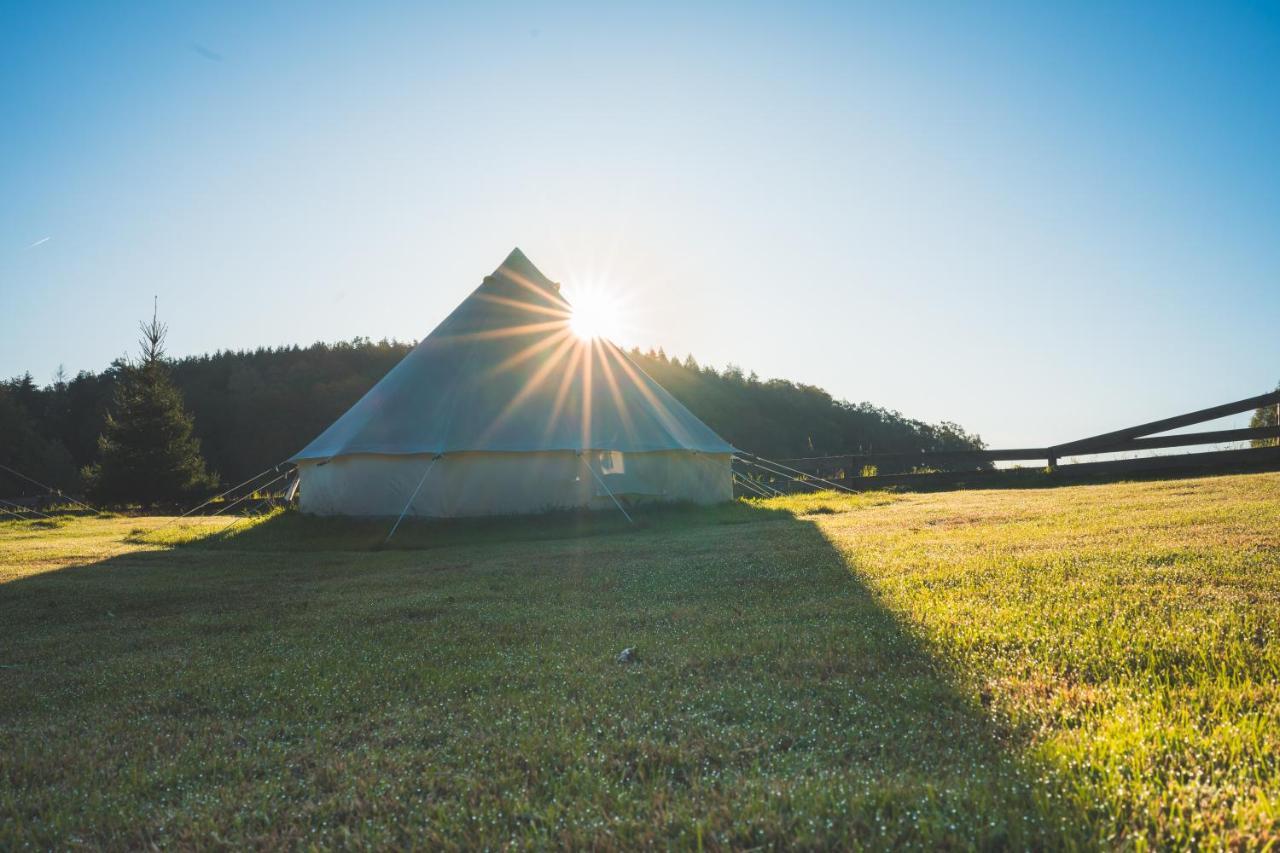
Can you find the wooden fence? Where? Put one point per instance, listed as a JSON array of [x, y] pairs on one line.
[[941, 469]]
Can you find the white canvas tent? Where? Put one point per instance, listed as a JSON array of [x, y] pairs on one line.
[[503, 410]]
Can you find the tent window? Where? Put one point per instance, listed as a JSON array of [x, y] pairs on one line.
[[611, 462]]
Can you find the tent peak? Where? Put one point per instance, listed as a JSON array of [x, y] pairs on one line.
[[518, 266], [515, 256]]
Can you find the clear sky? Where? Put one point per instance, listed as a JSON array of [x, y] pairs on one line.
[[1039, 223]]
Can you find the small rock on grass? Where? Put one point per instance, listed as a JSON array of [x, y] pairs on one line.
[[628, 655]]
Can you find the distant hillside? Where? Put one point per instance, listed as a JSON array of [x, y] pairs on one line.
[[254, 408], [778, 419]]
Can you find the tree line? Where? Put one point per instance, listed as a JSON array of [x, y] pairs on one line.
[[232, 414]]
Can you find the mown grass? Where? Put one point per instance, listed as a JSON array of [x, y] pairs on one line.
[[1073, 667]]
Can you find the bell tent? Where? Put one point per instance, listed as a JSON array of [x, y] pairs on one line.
[[503, 410]]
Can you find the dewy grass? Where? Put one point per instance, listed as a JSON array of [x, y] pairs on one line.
[[1074, 667]]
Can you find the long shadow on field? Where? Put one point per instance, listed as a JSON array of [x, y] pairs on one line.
[[293, 531], [470, 695]]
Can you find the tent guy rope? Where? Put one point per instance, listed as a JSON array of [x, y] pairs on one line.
[[25, 508], [252, 492], [780, 470], [749, 485], [412, 497], [14, 514], [784, 475], [50, 489], [255, 477], [607, 491]]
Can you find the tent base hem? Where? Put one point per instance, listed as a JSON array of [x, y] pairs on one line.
[[471, 484]]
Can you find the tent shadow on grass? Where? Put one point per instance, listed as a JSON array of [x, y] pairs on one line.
[[290, 530], [273, 692]]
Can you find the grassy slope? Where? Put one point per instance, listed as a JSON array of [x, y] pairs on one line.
[[1069, 666]]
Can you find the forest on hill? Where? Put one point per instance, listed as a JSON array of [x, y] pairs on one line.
[[253, 409]]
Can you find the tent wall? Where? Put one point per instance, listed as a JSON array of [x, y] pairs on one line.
[[482, 483]]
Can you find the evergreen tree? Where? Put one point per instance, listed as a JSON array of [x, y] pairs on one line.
[[147, 451], [24, 390]]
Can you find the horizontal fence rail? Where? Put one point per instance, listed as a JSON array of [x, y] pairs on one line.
[[1108, 439], [946, 467]]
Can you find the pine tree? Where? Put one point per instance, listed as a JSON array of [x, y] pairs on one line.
[[147, 453]]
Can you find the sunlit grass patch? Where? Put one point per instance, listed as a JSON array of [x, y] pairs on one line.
[[826, 502], [197, 529]]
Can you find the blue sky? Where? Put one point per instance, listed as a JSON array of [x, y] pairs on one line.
[[1037, 222]]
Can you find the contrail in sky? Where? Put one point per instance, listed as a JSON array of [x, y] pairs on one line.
[[211, 55], [39, 242]]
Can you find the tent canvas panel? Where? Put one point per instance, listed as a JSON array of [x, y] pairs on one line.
[[504, 372], [496, 483]]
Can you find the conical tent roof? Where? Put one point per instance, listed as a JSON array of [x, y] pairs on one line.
[[505, 373]]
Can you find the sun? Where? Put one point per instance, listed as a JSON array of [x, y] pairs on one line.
[[595, 315]]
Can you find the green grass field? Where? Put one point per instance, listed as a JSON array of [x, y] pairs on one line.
[[1071, 667]]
